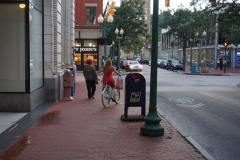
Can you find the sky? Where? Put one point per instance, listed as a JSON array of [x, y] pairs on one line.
[[173, 4]]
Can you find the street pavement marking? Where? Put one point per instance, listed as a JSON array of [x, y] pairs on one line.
[[15, 125], [194, 106], [185, 102], [182, 100], [222, 98], [190, 88]]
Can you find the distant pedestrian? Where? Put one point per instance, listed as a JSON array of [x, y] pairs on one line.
[[221, 63], [218, 63], [107, 74], [91, 78]]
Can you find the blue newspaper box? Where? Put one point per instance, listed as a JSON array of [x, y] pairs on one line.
[[193, 69], [135, 95], [73, 86]]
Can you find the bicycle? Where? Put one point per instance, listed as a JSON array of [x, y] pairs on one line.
[[107, 95]]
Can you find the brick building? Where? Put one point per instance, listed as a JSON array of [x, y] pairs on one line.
[[87, 30]]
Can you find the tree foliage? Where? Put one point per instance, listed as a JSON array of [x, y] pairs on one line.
[[179, 24], [227, 13], [130, 17]]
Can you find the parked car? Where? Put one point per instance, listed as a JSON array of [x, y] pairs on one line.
[[173, 64], [144, 61], [124, 64], [114, 60], [133, 66], [158, 62], [138, 59], [163, 64]]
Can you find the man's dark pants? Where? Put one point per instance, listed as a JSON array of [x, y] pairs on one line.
[[91, 87]]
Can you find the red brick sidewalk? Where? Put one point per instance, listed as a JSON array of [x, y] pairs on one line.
[[84, 129]]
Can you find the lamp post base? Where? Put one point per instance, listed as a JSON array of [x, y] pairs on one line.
[[151, 127], [198, 71], [152, 130]]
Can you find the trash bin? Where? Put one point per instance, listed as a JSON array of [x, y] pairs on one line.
[[193, 69]]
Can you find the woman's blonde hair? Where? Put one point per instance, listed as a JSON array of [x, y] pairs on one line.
[[107, 66]]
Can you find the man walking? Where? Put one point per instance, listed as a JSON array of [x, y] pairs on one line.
[[221, 62]]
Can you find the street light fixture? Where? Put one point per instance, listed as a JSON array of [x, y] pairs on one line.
[[201, 39], [105, 25], [119, 35]]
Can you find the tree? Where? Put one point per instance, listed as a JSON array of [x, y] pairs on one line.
[[228, 18], [130, 17], [180, 24], [184, 23]]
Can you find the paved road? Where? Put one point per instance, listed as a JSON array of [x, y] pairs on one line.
[[205, 108]]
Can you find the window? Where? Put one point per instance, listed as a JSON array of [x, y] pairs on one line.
[[36, 45], [90, 15], [90, 43], [12, 48]]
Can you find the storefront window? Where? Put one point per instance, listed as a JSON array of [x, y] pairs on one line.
[[77, 59], [35, 42], [85, 49], [90, 43], [92, 56], [12, 48], [78, 43]]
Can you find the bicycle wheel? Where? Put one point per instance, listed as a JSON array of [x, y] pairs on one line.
[[105, 96], [116, 95]]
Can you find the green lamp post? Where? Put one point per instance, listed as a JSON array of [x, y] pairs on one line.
[[191, 41], [112, 49], [105, 25], [201, 39], [172, 45], [151, 127], [119, 35]]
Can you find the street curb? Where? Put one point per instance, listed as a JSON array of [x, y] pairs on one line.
[[185, 135], [205, 74]]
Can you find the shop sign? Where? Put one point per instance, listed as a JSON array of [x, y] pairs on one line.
[[81, 49]]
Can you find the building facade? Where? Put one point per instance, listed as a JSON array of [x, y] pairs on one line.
[[87, 31], [204, 54], [36, 46]]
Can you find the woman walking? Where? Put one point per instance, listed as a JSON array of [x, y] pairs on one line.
[[91, 78]]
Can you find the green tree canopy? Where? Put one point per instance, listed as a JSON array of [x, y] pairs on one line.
[[179, 24], [130, 17], [227, 13]]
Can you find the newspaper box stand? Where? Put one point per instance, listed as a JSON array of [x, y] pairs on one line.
[[135, 95], [67, 84]]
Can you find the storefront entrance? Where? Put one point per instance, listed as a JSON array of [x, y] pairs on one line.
[[86, 49]]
